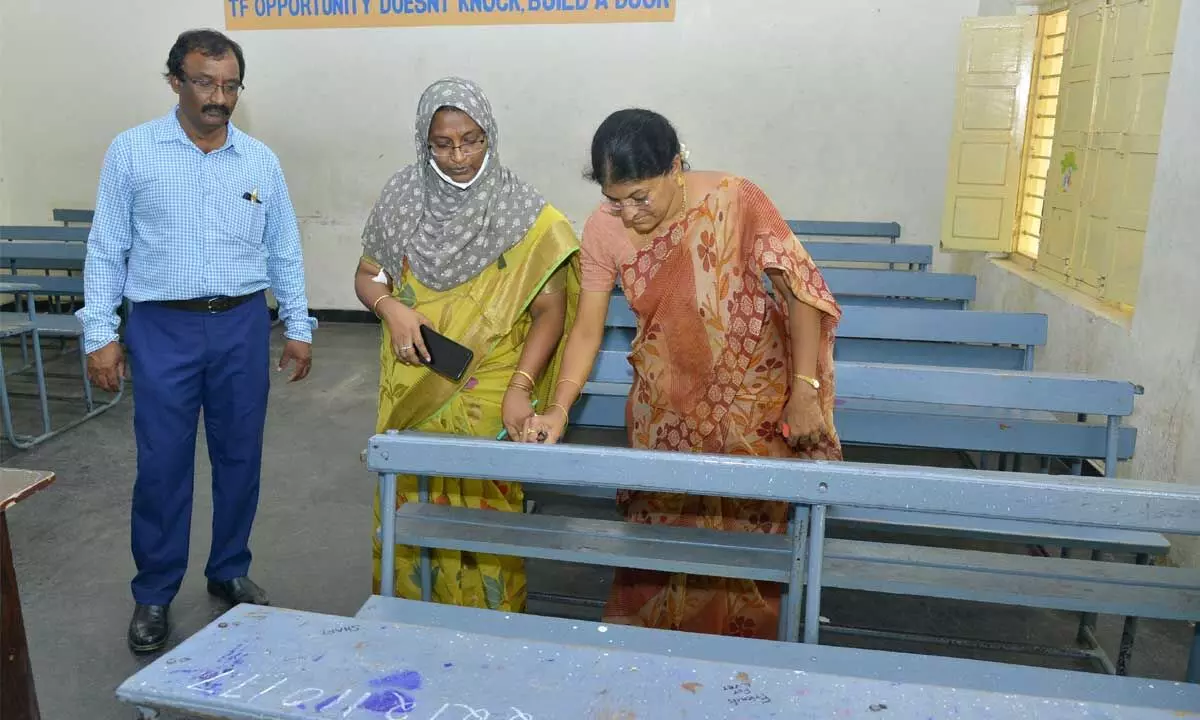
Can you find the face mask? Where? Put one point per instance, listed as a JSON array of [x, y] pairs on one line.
[[461, 186]]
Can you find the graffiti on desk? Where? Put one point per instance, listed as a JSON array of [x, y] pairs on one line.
[[741, 692], [392, 697]]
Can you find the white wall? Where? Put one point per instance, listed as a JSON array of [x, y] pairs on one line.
[[841, 110], [1160, 348]]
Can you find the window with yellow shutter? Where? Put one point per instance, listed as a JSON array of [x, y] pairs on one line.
[[1084, 131]]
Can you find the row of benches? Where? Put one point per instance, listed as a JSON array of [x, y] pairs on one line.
[[405, 659]]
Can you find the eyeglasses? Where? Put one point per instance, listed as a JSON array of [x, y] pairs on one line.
[[468, 148], [207, 87], [616, 207]]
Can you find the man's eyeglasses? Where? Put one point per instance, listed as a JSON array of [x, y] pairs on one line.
[[468, 149], [207, 87]]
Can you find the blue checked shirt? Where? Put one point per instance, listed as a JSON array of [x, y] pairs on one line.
[[172, 223]]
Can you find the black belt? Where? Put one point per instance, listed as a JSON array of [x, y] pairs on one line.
[[215, 304]]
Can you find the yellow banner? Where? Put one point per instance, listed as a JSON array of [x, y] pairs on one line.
[[310, 14]]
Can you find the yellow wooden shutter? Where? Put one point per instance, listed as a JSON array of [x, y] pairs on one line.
[[994, 68], [1074, 157], [1139, 47]]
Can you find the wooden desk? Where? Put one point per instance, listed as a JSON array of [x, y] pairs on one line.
[[18, 699]]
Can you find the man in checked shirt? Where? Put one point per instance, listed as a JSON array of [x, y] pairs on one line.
[[192, 224]]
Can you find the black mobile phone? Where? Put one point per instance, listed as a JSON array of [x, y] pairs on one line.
[[446, 357]]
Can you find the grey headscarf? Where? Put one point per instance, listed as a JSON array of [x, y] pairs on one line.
[[449, 235]]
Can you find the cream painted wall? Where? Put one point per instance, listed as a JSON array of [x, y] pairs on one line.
[[1160, 349], [841, 110]]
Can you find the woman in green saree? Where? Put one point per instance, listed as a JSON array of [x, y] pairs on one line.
[[457, 242]]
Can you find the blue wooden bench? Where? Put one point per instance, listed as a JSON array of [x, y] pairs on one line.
[[27, 249], [400, 659], [804, 560], [943, 409], [1009, 413]]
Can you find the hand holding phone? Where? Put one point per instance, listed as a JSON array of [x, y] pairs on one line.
[[446, 357]]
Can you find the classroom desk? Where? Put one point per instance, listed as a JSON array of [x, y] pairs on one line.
[[422, 661], [18, 699]]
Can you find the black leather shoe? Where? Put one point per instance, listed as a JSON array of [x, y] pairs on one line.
[[237, 591], [149, 628]]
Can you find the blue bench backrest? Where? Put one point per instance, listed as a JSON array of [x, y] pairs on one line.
[[1059, 499], [935, 407], [44, 232], [840, 228], [865, 252], [66, 215], [904, 336]]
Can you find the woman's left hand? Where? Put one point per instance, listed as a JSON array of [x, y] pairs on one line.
[[804, 423], [516, 408]]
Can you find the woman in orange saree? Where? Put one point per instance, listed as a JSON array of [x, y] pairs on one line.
[[719, 364]]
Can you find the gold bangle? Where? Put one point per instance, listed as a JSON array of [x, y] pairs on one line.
[[532, 382], [560, 407], [816, 384], [519, 386], [576, 383], [375, 305]]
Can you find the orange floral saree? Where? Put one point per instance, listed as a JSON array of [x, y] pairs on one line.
[[712, 373]]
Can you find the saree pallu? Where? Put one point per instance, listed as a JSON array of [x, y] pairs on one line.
[[712, 373], [488, 314]]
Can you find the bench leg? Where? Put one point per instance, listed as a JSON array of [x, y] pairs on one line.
[[816, 548], [793, 594], [387, 534], [1193, 668], [1129, 631], [426, 553], [87, 384]]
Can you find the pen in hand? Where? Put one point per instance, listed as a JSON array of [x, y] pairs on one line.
[[504, 433]]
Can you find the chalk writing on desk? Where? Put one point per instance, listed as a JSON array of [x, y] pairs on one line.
[[393, 697]]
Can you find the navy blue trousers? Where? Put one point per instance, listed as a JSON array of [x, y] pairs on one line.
[[183, 361]]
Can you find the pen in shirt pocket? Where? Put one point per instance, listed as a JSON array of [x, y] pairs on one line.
[[252, 196]]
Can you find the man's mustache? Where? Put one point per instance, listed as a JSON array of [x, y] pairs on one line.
[[214, 107]]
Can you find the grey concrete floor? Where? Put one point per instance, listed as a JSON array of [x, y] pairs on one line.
[[311, 541]]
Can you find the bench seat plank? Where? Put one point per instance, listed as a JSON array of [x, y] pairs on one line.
[[49, 325], [1054, 583], [1051, 583], [51, 285], [753, 556], [918, 523], [446, 663]]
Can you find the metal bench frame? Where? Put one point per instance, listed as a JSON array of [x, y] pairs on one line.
[[811, 488]]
